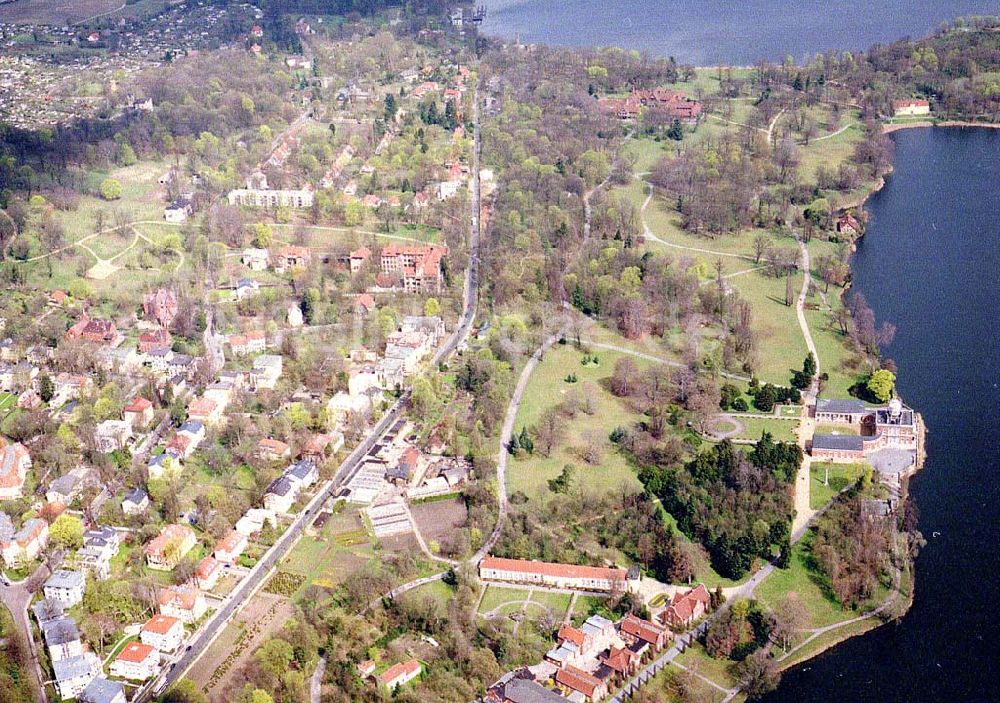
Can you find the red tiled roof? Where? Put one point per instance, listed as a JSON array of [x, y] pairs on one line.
[[160, 624], [683, 604], [620, 659], [396, 670], [643, 629], [206, 567], [231, 542], [184, 598], [571, 634], [170, 532], [138, 405], [550, 569], [272, 446], [578, 680], [201, 407], [135, 652]]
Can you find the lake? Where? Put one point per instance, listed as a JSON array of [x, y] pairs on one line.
[[929, 263], [711, 32]]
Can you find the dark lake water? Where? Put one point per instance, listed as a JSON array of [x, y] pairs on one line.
[[734, 32], [930, 263]]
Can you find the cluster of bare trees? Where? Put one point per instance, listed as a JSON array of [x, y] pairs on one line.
[[854, 552]]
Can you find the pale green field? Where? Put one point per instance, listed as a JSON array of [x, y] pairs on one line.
[[546, 389], [840, 477], [753, 427]]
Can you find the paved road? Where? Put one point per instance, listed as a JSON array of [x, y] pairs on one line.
[[316, 683], [348, 468], [17, 597]]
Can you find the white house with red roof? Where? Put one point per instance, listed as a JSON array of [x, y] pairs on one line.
[[271, 449], [25, 544], [137, 662], [14, 464], [185, 603], [589, 578], [231, 547], [163, 632], [207, 573], [138, 413], [170, 546], [911, 107], [400, 674]]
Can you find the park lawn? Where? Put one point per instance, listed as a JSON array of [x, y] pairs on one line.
[[7, 401], [782, 347], [665, 224], [781, 430], [141, 198], [557, 603], [438, 591], [830, 151], [840, 477], [110, 244], [806, 584], [496, 596], [644, 152], [790, 410], [654, 346], [835, 355], [546, 389], [697, 659]]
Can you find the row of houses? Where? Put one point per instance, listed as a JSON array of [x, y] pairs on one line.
[[76, 670], [586, 663]]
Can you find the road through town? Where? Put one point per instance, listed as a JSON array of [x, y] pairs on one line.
[[257, 576]]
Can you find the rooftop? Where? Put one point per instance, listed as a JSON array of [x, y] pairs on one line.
[[102, 690], [75, 667], [160, 624], [64, 578], [838, 405], [135, 652], [838, 442], [62, 630]]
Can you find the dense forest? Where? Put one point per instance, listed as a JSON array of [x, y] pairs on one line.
[[736, 504]]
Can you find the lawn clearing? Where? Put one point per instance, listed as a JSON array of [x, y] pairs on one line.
[[754, 427], [497, 596], [696, 659], [438, 591], [546, 389], [806, 584], [827, 480]]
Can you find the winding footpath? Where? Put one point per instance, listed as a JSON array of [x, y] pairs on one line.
[[647, 232], [505, 434], [804, 512]]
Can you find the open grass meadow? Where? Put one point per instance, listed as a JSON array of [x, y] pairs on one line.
[[497, 596], [806, 584], [546, 389], [754, 427], [827, 480], [437, 591]]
